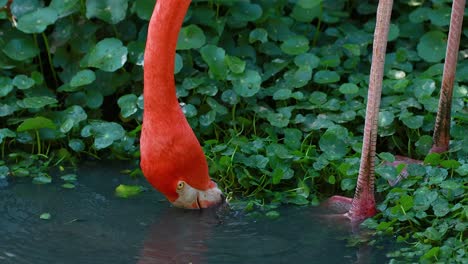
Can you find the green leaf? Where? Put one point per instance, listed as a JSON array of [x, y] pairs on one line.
[[68, 185], [45, 216], [326, 76], [424, 144], [76, 145], [450, 164], [431, 254], [413, 122], [432, 159], [37, 21], [235, 64], [37, 101], [68, 177], [144, 8], [20, 49], [128, 105], [191, 37], [332, 145], [179, 63], [243, 11], [6, 86], [108, 55], [83, 77], [258, 34], [306, 11], [432, 45], [272, 214], [349, 88], [5, 133], [42, 178], [215, 58], [307, 59], [295, 45], [389, 173], [105, 133], [247, 84], [35, 123], [65, 7], [423, 88], [393, 32], [386, 118], [23, 82], [111, 11], [440, 207], [127, 191]]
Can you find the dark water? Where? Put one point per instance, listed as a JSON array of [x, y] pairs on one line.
[[90, 224]]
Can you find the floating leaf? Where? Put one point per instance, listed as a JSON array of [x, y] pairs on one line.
[[68, 185], [111, 11], [127, 191], [108, 55], [45, 216], [38, 20], [191, 37], [68, 177]]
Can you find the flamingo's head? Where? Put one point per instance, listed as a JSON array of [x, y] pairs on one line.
[[184, 184], [192, 198], [185, 193]]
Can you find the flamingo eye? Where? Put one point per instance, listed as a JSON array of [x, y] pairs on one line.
[[180, 185]]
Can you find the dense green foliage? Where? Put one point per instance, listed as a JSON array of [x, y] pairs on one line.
[[275, 90]]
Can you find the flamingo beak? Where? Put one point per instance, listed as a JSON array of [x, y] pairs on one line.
[[191, 198]]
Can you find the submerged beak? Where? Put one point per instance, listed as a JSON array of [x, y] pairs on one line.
[[191, 198]]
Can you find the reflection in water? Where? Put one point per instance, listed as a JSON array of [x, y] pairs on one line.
[[90, 225]]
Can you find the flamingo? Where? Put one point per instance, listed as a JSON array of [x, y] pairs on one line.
[[362, 206], [172, 159]]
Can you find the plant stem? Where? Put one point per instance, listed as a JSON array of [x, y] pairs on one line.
[[46, 43], [38, 142]]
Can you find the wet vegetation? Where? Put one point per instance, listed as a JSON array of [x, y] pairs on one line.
[[275, 91]]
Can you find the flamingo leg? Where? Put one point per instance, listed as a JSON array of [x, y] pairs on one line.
[[441, 135], [442, 125], [363, 204]]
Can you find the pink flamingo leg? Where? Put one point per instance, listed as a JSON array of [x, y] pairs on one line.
[[362, 205], [442, 125]]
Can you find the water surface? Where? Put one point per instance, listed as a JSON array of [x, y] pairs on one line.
[[89, 224]]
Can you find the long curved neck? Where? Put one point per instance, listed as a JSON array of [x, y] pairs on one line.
[[163, 31]]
